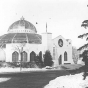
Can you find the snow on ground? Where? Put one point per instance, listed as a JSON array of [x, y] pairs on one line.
[[4, 79], [9, 69], [68, 81]]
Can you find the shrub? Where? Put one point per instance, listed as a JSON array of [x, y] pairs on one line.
[[48, 58], [39, 61]]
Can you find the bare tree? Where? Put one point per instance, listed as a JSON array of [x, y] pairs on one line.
[[19, 47], [75, 55]]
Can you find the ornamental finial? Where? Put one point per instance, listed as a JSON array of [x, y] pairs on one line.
[[22, 18]]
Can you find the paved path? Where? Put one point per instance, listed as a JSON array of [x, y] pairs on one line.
[[30, 80]]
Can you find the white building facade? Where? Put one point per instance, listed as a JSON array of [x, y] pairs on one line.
[[24, 31]]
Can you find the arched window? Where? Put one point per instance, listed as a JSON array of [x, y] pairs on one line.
[[15, 56], [65, 56], [32, 56], [40, 54], [60, 59], [24, 56]]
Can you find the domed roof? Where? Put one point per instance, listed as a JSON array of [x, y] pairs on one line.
[[31, 38], [22, 23]]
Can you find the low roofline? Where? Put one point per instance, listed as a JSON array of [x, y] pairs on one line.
[[58, 36], [47, 33]]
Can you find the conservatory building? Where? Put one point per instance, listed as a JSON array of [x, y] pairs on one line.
[[22, 37]]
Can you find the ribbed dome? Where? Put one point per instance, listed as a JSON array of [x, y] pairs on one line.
[[31, 38], [22, 23]]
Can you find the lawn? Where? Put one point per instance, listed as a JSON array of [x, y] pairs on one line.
[[72, 66]]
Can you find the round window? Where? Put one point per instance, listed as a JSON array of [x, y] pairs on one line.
[[60, 42]]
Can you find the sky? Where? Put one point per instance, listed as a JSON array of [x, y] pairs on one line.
[[63, 17]]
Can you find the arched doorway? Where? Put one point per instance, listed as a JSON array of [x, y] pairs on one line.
[[60, 60], [15, 56], [32, 56], [23, 56], [65, 56]]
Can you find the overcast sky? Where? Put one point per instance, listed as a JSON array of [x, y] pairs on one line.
[[63, 17]]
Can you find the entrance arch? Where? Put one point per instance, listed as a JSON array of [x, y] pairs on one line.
[[24, 56], [60, 60], [15, 56], [32, 56]]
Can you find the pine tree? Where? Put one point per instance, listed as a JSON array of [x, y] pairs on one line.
[[48, 58], [85, 35], [85, 57]]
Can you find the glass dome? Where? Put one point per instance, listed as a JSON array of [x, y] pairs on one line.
[[22, 24]]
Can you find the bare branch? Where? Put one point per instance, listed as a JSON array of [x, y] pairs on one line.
[[19, 47]]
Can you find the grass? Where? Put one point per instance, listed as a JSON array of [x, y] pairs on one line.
[[72, 66]]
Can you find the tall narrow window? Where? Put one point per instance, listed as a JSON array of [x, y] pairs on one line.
[[65, 56], [32, 56], [53, 52], [24, 56], [15, 56]]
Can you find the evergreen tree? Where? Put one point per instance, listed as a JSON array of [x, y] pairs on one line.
[[85, 60], [48, 58], [85, 25], [85, 57], [85, 53], [85, 35]]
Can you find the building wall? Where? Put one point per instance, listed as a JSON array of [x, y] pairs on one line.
[[33, 47], [52, 44], [2, 55], [28, 48], [67, 47], [47, 44]]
